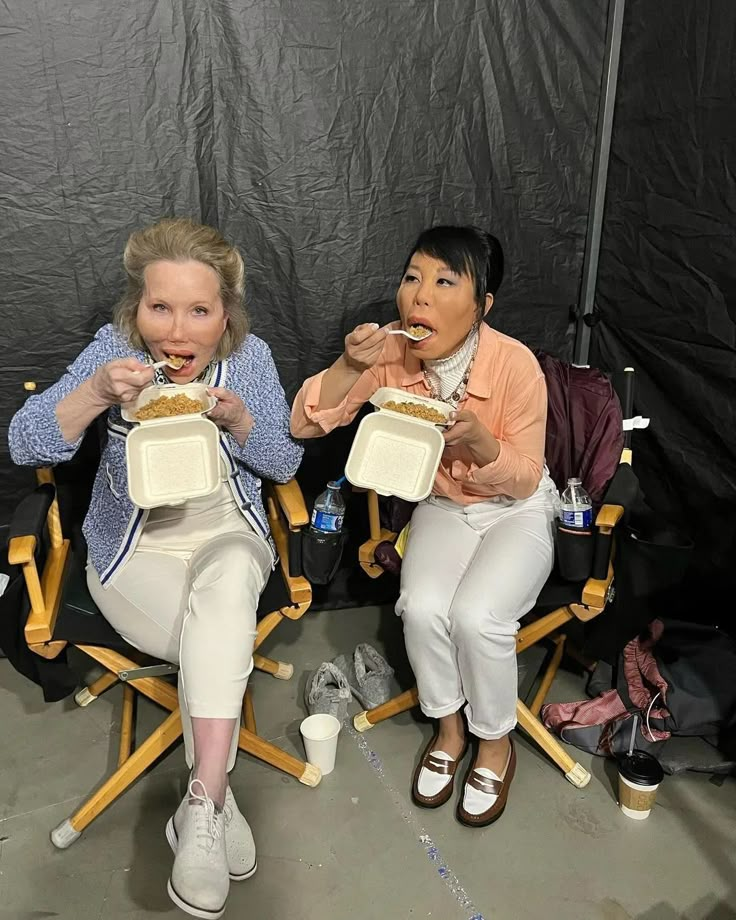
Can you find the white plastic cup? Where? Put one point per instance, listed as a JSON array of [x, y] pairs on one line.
[[320, 733]]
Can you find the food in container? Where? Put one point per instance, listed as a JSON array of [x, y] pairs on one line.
[[166, 406], [416, 410]]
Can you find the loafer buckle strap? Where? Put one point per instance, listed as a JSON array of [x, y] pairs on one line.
[[438, 765], [484, 784]]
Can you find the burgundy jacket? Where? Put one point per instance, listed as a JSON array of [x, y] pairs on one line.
[[584, 425]]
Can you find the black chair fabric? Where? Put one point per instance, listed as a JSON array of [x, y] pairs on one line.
[[79, 621]]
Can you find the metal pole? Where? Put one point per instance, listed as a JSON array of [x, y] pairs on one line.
[[600, 177]]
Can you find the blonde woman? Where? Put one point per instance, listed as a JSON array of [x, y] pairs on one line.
[[181, 583]]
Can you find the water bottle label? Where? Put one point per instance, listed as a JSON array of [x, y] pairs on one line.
[[578, 519], [328, 523]]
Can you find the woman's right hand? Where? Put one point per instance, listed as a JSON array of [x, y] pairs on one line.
[[120, 381], [363, 346]]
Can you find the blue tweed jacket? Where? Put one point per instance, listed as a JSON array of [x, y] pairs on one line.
[[113, 523]]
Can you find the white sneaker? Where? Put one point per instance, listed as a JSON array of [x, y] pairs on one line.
[[240, 846], [239, 843], [199, 882]]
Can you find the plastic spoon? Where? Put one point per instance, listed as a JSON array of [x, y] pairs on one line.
[[169, 363], [158, 364], [412, 338]]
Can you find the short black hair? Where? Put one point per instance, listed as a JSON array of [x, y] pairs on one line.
[[466, 251]]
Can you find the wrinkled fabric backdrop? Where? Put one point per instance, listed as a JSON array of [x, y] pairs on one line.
[[321, 136], [667, 281]]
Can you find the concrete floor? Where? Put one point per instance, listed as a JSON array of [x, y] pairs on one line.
[[355, 846]]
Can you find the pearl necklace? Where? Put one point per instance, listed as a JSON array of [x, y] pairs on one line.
[[459, 391]]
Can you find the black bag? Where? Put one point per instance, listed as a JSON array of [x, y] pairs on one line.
[[699, 664], [687, 716]]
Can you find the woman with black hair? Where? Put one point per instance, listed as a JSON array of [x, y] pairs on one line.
[[480, 548]]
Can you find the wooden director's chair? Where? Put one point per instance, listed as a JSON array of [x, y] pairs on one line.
[[559, 603], [63, 614]]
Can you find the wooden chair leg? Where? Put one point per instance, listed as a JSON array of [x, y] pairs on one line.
[[306, 773], [267, 625], [159, 741], [280, 669], [154, 688], [370, 717], [549, 676], [574, 772], [249, 715], [538, 629], [89, 694], [126, 724]]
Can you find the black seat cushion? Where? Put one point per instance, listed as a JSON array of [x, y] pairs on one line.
[[557, 592], [81, 623]]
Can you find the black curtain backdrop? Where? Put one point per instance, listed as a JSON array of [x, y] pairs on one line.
[[319, 136], [667, 286]]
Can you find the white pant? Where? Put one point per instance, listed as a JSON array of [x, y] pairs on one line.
[[197, 610], [468, 575]]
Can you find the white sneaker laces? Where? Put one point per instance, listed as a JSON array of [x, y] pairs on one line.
[[208, 828]]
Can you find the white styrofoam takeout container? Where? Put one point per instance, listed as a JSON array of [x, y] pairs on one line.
[[395, 454], [392, 394], [174, 458]]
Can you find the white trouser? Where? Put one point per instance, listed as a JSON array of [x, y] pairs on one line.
[[197, 610], [468, 575]]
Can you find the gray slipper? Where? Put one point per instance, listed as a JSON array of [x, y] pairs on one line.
[[328, 691], [368, 674]]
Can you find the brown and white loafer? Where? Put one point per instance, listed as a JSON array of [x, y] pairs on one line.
[[434, 767], [482, 783]]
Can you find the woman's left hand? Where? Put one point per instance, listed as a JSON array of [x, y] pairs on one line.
[[466, 428], [231, 413]]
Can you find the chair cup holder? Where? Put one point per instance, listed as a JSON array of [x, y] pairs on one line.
[[574, 551], [321, 555]]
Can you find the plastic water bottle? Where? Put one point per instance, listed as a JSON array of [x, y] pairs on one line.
[[576, 508], [329, 511]]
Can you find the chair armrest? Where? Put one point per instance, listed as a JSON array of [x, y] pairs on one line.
[[621, 496], [608, 517], [595, 593], [45, 589], [287, 514], [605, 522], [21, 550], [291, 501]]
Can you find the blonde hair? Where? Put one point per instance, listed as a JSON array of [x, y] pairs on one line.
[[180, 239]]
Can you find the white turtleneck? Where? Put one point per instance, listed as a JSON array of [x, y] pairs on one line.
[[445, 374]]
